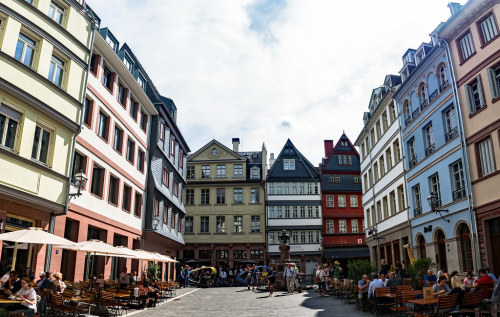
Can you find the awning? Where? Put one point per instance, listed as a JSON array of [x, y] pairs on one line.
[[344, 253]]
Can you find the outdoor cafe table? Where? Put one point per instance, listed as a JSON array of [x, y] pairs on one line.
[[9, 301], [425, 302]]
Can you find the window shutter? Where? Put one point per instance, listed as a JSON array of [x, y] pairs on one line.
[[493, 83], [468, 94], [480, 90]]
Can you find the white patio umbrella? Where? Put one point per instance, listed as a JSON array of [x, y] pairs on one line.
[[32, 235]]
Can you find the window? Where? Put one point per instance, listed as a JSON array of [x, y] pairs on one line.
[[309, 188], [375, 171], [488, 29], [204, 224], [450, 123], [255, 173], [392, 112], [443, 82], [316, 212], [189, 196], [342, 226], [302, 237], [205, 171], [221, 196], [138, 205], [422, 95], [474, 94], [271, 212], [97, 181], [294, 189], [122, 94], [494, 79], [401, 198], [205, 197], [429, 139], [384, 121], [279, 212], [140, 160], [174, 215], [190, 172], [302, 211], [238, 224], [221, 254], [388, 156], [9, 123], [127, 194], [181, 159], [56, 71], [127, 61], [354, 226], [289, 164], [378, 130], [354, 201], [94, 61], [255, 224], [295, 238], [255, 196], [239, 254], [382, 166], [238, 170], [458, 180], [397, 153], [87, 112], [309, 211], [342, 202], [205, 254], [214, 152], [238, 196], [221, 170], [330, 201], [329, 226], [278, 188], [156, 207], [434, 187], [417, 200], [188, 225], [107, 79], [102, 126], [286, 189], [256, 254], [130, 151], [412, 152], [133, 109], [310, 238], [117, 139], [165, 175], [301, 188], [392, 198], [385, 207], [80, 164], [25, 50], [114, 184], [141, 81], [485, 153], [466, 46], [41, 144], [144, 124], [220, 224]]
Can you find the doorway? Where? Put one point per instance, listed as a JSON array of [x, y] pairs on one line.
[[24, 250], [494, 228], [310, 263], [441, 261]]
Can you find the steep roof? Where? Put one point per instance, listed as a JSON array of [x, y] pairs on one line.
[[209, 144], [304, 170], [343, 147]]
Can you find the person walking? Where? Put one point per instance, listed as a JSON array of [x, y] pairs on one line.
[[321, 279], [223, 276], [186, 275], [254, 273], [271, 280], [230, 277], [297, 284], [289, 277]]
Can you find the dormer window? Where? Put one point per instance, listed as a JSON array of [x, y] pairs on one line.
[[111, 42], [289, 164], [141, 81], [127, 61]]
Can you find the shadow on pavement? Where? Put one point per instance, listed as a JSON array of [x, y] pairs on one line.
[[329, 304]]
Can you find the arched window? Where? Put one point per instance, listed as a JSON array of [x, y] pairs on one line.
[[441, 261], [465, 247], [441, 71], [421, 93], [406, 110], [421, 248]]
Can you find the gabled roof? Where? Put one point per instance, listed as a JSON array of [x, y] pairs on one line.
[[338, 149], [211, 143], [303, 168]]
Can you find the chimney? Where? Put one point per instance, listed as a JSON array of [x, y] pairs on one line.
[[328, 147], [271, 160], [236, 143], [454, 7]]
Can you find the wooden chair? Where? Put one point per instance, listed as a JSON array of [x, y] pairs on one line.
[[446, 304], [470, 301], [59, 308], [401, 288], [401, 304], [116, 307], [382, 301]]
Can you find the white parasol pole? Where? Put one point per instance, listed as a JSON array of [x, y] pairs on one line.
[[14, 256]]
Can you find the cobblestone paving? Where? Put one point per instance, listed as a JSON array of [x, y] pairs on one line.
[[237, 301]]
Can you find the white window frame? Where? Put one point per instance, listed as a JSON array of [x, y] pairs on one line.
[[342, 202], [354, 201], [50, 131], [53, 9], [23, 38], [354, 226], [289, 164], [330, 201], [57, 64], [330, 228], [342, 226]]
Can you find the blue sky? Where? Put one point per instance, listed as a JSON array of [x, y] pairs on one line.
[[266, 71]]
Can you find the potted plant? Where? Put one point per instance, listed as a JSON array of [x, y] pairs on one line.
[[417, 271]]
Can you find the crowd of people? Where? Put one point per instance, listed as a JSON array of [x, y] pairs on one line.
[[324, 274]]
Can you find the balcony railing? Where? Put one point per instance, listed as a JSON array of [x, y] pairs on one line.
[[433, 95], [417, 211], [413, 161], [431, 148], [415, 113], [444, 86], [424, 105], [459, 193], [451, 134], [407, 121]]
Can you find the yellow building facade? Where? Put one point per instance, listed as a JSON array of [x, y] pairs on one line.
[[225, 205], [44, 53]]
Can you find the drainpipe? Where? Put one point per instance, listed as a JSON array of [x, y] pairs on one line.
[[48, 252], [470, 199]]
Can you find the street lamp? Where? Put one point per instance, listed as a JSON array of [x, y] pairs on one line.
[[435, 203], [79, 181]]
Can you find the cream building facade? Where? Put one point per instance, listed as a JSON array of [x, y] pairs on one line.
[[44, 54], [225, 207]]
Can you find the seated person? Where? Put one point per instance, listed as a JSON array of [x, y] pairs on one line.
[[13, 284], [484, 279], [27, 274], [100, 280], [456, 282], [493, 277], [28, 296], [43, 282], [393, 281], [58, 283], [429, 278], [470, 280], [441, 287]]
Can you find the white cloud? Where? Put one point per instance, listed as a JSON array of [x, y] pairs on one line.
[[312, 80]]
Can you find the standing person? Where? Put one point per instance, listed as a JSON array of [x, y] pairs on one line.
[[338, 270], [315, 268], [271, 280], [186, 275], [223, 276], [297, 284], [321, 279], [289, 277], [255, 273], [124, 278], [182, 280], [383, 279], [28, 296], [384, 267], [363, 285]]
